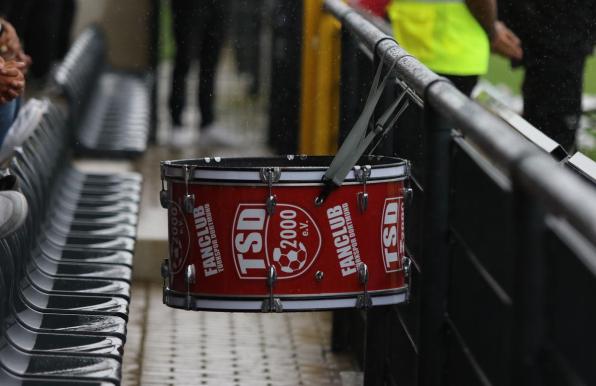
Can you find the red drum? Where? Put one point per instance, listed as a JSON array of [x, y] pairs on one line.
[[246, 235]]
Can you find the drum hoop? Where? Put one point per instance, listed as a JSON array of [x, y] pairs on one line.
[[288, 176], [338, 295], [284, 184], [189, 301], [219, 162]]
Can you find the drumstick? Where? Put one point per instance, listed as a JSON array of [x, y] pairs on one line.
[[351, 150]]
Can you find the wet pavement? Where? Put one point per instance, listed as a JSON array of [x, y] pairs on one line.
[[175, 347]]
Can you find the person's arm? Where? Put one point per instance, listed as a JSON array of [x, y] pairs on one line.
[[502, 40], [10, 45], [12, 80], [485, 12]]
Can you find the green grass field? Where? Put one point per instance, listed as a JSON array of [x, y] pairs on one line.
[[166, 39], [500, 72]]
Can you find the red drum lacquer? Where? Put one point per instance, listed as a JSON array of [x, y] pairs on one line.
[[242, 242]]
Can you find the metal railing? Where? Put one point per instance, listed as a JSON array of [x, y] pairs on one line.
[[490, 133], [541, 188]]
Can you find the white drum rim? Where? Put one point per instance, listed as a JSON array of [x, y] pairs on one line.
[[212, 171], [289, 304], [328, 295]]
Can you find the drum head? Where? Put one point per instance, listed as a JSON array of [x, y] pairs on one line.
[[293, 169]]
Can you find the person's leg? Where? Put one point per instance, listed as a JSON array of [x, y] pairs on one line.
[[41, 37], [465, 84], [254, 57], [246, 30], [8, 113], [212, 39], [13, 211], [69, 9], [20, 14], [552, 91], [182, 26]]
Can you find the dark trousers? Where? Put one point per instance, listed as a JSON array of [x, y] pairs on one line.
[[246, 31], [465, 84], [552, 91], [44, 28], [198, 28]]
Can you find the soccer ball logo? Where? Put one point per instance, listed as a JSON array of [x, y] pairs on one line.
[[290, 261]]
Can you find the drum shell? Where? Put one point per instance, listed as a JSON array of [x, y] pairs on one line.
[[231, 252]]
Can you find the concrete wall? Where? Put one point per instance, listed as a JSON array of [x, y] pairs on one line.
[[127, 27]]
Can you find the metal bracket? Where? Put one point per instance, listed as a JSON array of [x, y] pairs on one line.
[[271, 304], [406, 264], [319, 275], [362, 174], [408, 195], [189, 199], [270, 176], [363, 301], [165, 269], [190, 278], [408, 191], [164, 198], [165, 274]]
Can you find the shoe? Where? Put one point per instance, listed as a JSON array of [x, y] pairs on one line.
[[216, 136], [13, 212], [182, 136], [589, 103]]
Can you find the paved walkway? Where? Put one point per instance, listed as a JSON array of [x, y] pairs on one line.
[[174, 347]]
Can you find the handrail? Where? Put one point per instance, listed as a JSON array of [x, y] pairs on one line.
[[559, 190]]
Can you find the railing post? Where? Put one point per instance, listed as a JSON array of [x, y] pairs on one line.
[[354, 85], [377, 346], [435, 267], [530, 276], [286, 60]]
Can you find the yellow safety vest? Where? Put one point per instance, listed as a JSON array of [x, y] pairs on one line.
[[442, 34]]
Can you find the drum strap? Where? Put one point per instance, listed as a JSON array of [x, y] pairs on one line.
[[357, 142]]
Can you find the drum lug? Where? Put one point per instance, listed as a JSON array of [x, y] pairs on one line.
[[191, 274], [408, 191], [271, 278], [271, 304], [270, 204], [189, 203], [164, 198], [362, 201], [189, 199], [165, 269], [165, 274], [319, 275], [362, 174], [166, 296], [406, 263], [363, 301], [270, 176], [408, 195], [190, 278]]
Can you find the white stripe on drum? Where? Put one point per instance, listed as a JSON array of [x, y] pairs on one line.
[[286, 176], [288, 305]]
